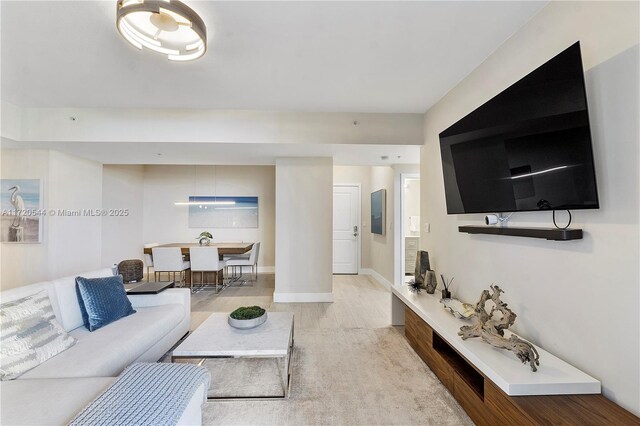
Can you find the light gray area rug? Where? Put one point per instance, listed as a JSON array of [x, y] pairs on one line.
[[245, 377], [340, 376]]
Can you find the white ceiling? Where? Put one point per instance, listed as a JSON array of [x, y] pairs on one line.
[[286, 56], [225, 153]]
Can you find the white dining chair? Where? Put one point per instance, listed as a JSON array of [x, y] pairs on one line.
[[206, 259], [148, 258], [237, 256], [252, 261], [169, 260]]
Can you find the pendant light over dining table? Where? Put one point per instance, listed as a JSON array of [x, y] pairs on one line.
[[168, 27]]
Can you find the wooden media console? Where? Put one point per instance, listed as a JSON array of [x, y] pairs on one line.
[[492, 386]]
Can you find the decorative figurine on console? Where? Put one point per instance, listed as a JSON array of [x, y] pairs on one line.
[[422, 266], [492, 330], [415, 287], [424, 276], [431, 282]]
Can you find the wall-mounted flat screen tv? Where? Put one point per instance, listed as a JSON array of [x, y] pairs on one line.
[[378, 207], [528, 148]]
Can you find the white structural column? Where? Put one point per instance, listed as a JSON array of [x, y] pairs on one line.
[[304, 210]]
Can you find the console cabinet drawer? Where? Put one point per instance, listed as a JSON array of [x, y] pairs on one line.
[[472, 403], [504, 411], [419, 329], [441, 369]]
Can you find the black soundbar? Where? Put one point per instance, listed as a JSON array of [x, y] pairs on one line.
[[546, 233]]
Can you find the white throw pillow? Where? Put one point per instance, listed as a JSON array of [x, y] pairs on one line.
[[29, 335]]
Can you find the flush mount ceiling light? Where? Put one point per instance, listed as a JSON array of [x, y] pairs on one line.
[[168, 27]]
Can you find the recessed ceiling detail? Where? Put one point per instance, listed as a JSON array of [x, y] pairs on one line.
[[168, 27]]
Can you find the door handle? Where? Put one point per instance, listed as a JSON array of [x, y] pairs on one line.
[[355, 231]]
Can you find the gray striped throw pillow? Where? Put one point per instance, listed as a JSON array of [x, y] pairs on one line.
[[29, 335]]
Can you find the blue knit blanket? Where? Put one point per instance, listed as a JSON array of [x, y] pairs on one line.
[[146, 394]]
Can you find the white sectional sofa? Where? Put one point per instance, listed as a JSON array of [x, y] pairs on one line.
[[55, 391]]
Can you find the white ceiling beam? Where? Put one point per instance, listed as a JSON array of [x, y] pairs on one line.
[[211, 126], [11, 121]]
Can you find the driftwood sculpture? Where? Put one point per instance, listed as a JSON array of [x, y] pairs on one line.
[[492, 330]]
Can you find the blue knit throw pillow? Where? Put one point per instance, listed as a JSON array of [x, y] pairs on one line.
[[102, 300]]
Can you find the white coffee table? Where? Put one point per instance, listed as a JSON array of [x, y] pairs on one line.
[[215, 338]]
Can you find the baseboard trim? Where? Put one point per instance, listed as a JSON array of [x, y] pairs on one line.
[[382, 280], [303, 297]]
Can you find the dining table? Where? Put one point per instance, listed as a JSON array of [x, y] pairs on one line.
[[223, 249]]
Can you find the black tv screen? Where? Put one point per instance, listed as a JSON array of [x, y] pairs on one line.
[[528, 148]]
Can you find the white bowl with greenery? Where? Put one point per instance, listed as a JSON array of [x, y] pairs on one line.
[[247, 317]]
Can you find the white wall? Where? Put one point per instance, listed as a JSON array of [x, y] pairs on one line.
[[164, 222], [74, 183], [72, 244], [122, 236], [382, 246], [304, 225], [579, 300]]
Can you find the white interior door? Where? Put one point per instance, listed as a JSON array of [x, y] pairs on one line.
[[346, 229]]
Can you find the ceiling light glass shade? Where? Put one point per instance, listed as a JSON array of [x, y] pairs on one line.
[[169, 27]]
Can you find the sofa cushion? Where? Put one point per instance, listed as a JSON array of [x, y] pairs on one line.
[[102, 301], [68, 312], [109, 350], [47, 402], [29, 334]]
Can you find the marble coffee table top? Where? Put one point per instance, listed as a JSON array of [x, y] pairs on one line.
[[215, 337]]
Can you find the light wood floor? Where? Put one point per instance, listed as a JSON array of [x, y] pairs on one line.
[[359, 302]]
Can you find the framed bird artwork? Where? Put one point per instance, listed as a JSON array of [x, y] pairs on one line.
[[22, 213]]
